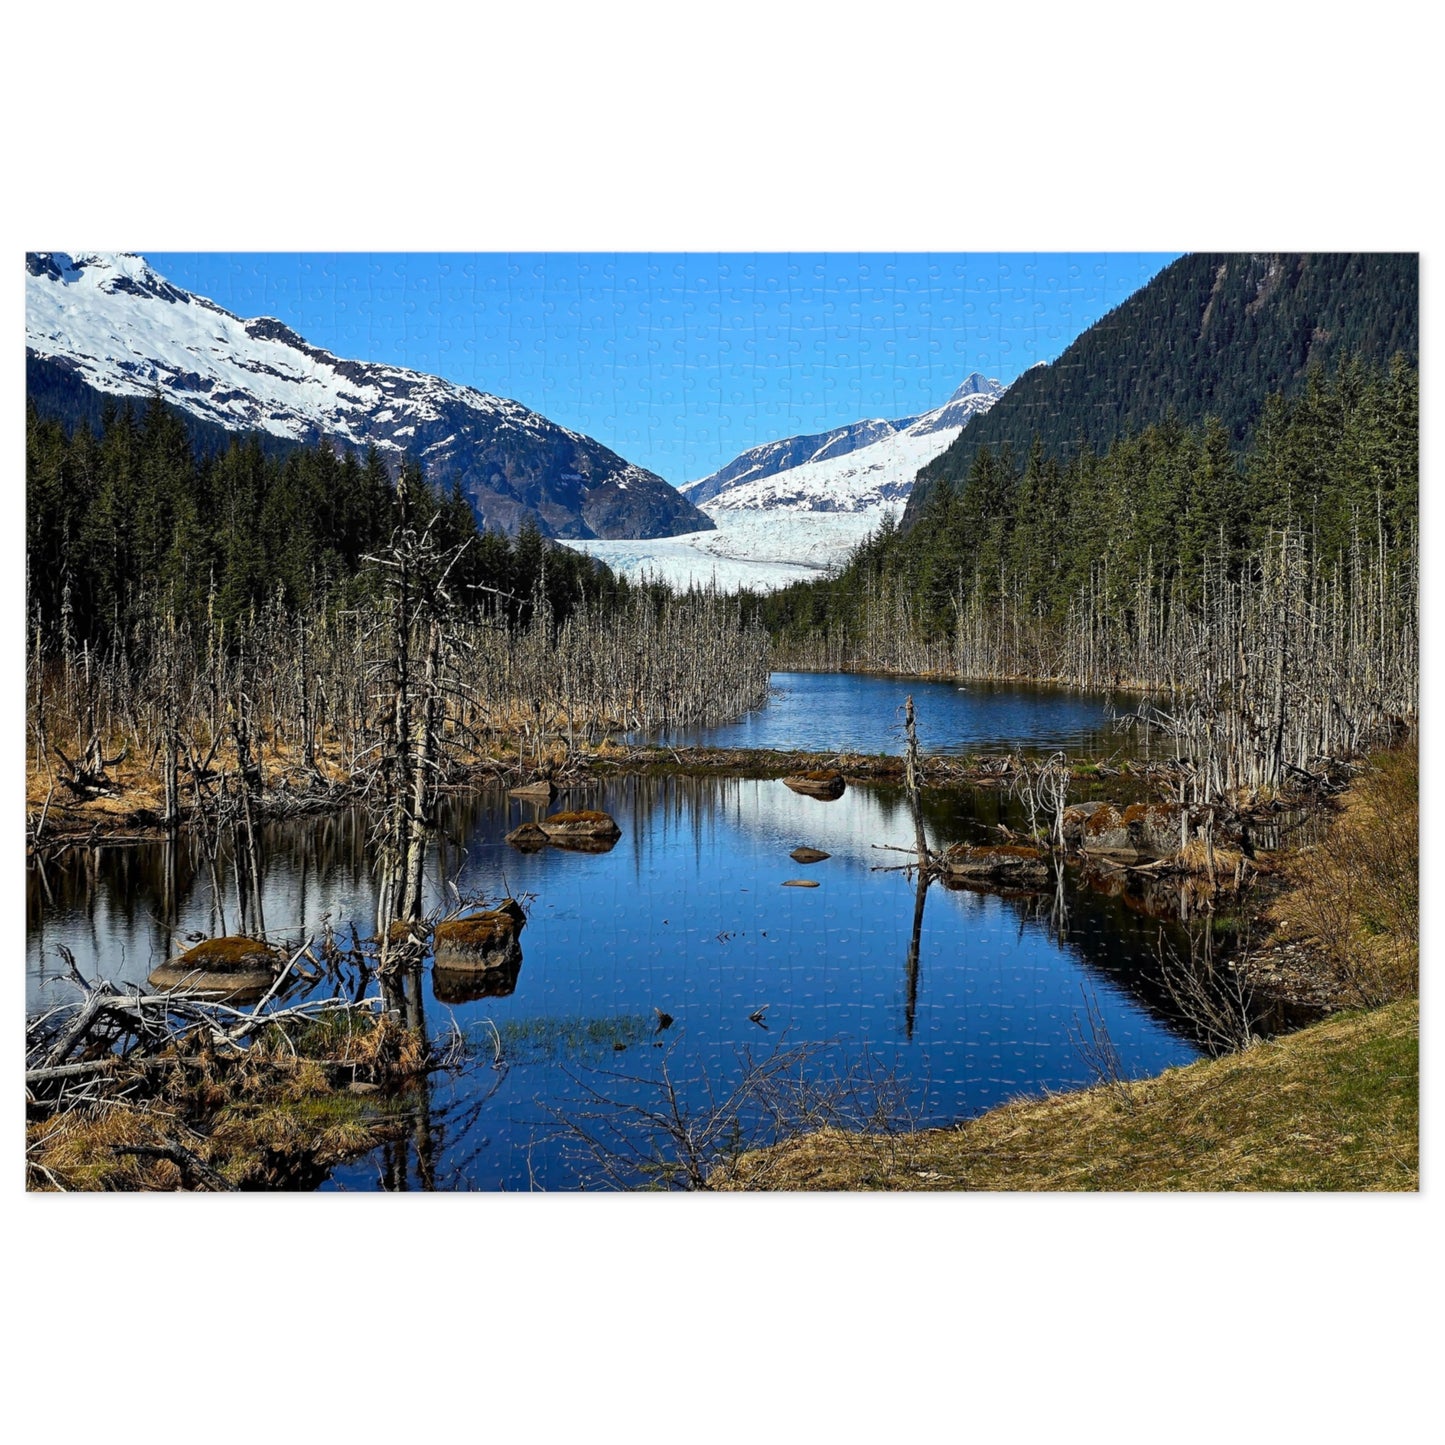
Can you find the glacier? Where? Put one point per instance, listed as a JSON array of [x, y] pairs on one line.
[[793, 510], [756, 549]]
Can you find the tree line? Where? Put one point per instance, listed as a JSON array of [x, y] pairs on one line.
[[1030, 533], [135, 521], [185, 606], [1267, 603]]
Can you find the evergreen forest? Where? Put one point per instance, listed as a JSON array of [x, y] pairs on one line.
[[137, 520], [1211, 336]]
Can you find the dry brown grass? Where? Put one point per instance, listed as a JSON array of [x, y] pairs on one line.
[[1353, 900], [1333, 1107], [1195, 857], [270, 1144], [138, 790], [279, 1117]]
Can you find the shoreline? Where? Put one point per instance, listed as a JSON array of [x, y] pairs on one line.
[[131, 812], [1329, 1105], [1332, 1106], [1147, 1112]]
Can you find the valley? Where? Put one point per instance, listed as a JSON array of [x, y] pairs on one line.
[[420, 794]]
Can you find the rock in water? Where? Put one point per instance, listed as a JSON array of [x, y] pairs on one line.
[[484, 941], [529, 838], [586, 831], [233, 967], [1142, 830], [822, 783], [543, 790], [1075, 816], [1003, 863], [1106, 834], [808, 855], [800, 883], [1155, 827]]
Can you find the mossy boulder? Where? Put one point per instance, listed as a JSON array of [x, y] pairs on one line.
[[1076, 815], [1001, 863], [1105, 834], [584, 831], [825, 783], [484, 941], [1139, 831], [1154, 827], [583, 844], [232, 967]]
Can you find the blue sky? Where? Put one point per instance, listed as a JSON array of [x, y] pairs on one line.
[[681, 361]]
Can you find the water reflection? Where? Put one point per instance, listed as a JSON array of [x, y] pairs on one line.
[[971, 997], [852, 712], [467, 985]]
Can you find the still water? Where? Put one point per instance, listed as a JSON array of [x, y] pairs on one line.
[[853, 712], [686, 917]]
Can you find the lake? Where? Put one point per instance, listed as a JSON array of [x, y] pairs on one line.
[[834, 712], [686, 922]]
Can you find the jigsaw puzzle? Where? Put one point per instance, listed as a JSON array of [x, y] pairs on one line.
[[754, 722]]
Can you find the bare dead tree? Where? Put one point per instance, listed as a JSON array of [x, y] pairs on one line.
[[1043, 787], [409, 764], [1095, 1046], [1263, 672]]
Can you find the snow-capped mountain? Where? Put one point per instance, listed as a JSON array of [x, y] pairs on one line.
[[853, 469], [792, 510], [121, 328], [774, 457]]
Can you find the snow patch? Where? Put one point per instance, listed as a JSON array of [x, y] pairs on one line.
[[860, 479], [94, 309]]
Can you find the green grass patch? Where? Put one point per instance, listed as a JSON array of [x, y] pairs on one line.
[[548, 1040], [1332, 1107]]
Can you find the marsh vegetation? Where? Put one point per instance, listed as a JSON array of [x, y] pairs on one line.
[[252, 689]]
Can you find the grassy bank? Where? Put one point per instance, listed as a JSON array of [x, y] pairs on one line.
[[1335, 1106], [1350, 907]]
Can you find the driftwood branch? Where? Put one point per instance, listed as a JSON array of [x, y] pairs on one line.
[[192, 1168]]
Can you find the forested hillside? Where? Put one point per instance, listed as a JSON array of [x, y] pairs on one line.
[[121, 328], [1031, 531], [139, 520], [1211, 336], [1273, 596]]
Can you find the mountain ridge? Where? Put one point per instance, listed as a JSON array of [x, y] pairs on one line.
[[796, 509], [1213, 334], [852, 468], [96, 315]]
